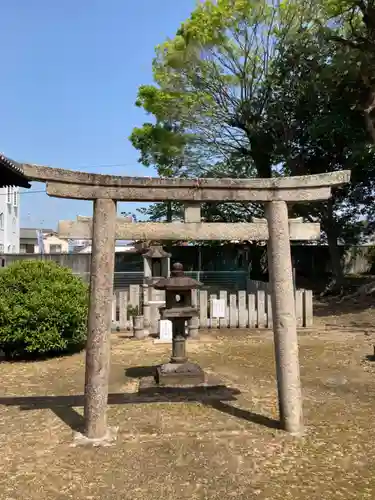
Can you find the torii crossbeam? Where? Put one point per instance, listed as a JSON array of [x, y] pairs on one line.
[[105, 190]]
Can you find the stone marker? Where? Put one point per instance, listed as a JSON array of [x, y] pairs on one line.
[[165, 331], [218, 308]]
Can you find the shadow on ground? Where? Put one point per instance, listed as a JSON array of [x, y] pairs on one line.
[[216, 397], [351, 306]]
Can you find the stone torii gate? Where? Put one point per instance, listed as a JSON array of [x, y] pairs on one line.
[[105, 227]]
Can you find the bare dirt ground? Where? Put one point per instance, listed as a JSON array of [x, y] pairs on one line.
[[195, 450]]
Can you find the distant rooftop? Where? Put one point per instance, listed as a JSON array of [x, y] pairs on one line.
[[29, 233]]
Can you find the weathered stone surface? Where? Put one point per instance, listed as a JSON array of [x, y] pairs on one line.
[[212, 388], [193, 323], [192, 212], [85, 218], [45, 174], [109, 439], [261, 309], [138, 328], [172, 374], [82, 185], [284, 318], [308, 308], [190, 231], [99, 320], [182, 193]]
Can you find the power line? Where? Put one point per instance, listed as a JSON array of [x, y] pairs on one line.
[[26, 192], [33, 192]]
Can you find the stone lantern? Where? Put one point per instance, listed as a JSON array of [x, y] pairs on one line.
[[178, 309], [155, 264]]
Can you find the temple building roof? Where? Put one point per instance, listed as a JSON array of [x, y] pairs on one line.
[[11, 173]]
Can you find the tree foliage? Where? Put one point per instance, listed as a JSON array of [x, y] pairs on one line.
[[211, 89], [351, 24], [316, 97], [212, 84], [261, 89], [43, 309]]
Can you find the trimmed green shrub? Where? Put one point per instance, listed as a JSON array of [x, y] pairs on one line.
[[43, 309]]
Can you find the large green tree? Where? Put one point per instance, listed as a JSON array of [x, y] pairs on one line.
[[256, 89], [211, 83], [351, 24], [315, 99], [210, 98]]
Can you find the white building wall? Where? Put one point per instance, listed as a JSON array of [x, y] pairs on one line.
[[9, 220], [50, 243]]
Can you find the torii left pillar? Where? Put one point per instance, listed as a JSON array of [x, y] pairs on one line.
[[99, 321]]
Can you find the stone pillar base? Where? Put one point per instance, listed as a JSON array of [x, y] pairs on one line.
[[108, 439], [138, 329]]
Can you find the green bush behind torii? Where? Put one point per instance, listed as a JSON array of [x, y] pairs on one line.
[[43, 309]]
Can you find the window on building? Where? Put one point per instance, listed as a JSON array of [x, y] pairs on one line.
[[1, 248], [55, 248], [9, 194], [9, 248], [1, 220], [27, 248], [13, 249], [15, 198]]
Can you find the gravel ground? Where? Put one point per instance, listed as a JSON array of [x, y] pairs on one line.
[[198, 450]]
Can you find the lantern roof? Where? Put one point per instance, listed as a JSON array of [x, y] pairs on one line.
[[156, 252], [177, 281]]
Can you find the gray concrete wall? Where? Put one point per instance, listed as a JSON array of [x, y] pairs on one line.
[[309, 260]]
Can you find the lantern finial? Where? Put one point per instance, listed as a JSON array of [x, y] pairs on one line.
[[177, 269]]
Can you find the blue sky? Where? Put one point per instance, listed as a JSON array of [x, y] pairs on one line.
[[70, 73]]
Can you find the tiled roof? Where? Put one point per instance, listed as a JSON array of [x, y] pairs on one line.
[[156, 252], [30, 233], [11, 173]]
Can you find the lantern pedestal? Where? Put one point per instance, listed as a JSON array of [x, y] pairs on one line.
[[175, 374], [212, 389], [179, 371]]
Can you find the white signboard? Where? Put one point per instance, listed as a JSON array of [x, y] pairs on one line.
[[165, 333], [218, 308]]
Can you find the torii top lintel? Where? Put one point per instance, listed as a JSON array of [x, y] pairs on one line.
[[63, 183]]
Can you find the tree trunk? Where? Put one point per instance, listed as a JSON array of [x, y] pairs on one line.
[[169, 211], [329, 225], [370, 115]]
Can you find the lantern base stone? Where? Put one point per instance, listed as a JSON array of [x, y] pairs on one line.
[[177, 374], [212, 389]]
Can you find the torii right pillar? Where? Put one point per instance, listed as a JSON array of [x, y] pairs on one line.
[[318, 188]]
